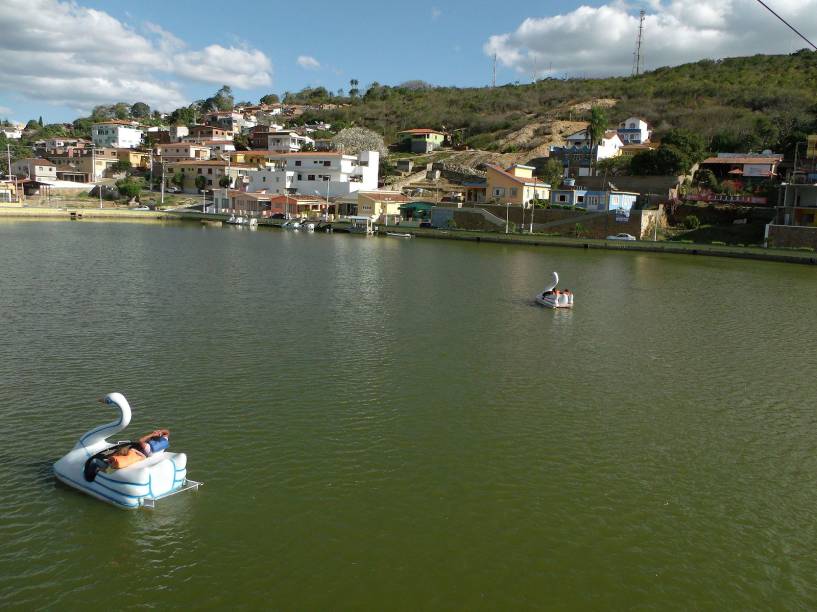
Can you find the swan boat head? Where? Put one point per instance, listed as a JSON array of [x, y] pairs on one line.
[[554, 280], [97, 436]]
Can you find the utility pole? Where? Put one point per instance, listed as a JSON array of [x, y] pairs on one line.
[[638, 61], [162, 188], [8, 152]]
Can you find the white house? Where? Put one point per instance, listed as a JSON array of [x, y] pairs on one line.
[[219, 148], [35, 168], [327, 174], [117, 134], [634, 131], [287, 141], [12, 133], [577, 156], [182, 151]]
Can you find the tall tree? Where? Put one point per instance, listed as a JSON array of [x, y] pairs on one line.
[[269, 99], [139, 110], [40, 121], [596, 129]]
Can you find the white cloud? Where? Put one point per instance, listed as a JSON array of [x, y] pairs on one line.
[[599, 41], [67, 54], [5, 110], [435, 13], [308, 62]]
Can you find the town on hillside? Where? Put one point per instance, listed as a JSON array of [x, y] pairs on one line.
[[595, 175]]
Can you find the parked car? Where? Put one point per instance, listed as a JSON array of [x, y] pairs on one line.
[[622, 236]]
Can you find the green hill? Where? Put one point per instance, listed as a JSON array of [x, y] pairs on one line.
[[744, 103]]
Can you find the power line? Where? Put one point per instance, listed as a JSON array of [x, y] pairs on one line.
[[791, 27]]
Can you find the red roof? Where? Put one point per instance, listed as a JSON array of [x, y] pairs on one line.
[[296, 198], [748, 159], [421, 131]]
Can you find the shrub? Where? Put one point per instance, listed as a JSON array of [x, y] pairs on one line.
[[692, 222]]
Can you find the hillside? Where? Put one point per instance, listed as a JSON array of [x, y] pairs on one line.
[[745, 103]]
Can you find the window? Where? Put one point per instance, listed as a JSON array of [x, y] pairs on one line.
[[580, 199], [327, 163], [199, 169], [514, 191], [209, 181], [310, 177], [300, 177], [563, 198], [298, 162], [264, 179], [209, 171]]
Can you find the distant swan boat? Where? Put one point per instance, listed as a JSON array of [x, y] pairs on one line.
[[552, 298], [140, 484]]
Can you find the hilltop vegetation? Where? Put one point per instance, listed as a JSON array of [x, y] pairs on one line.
[[736, 104]]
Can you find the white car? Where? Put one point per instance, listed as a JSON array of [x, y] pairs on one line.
[[622, 237]]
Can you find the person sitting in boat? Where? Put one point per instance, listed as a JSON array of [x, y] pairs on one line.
[[156, 440], [141, 449]]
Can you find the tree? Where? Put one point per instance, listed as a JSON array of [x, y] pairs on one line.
[[201, 182], [596, 129], [688, 143], [121, 110], [178, 179], [355, 139], [33, 125], [121, 166], [354, 92], [704, 177], [139, 110], [130, 187], [224, 181], [552, 172], [222, 100], [269, 99], [41, 121]]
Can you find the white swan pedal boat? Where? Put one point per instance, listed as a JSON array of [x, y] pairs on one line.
[[552, 298], [161, 474]]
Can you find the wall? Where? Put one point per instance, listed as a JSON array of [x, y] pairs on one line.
[[792, 236], [638, 184]]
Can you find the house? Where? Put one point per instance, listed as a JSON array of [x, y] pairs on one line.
[[568, 196], [745, 166], [84, 165], [382, 206], [328, 174], [634, 131], [207, 132], [12, 133], [136, 159], [577, 156], [241, 203], [299, 205], [515, 185], [212, 171], [629, 150], [421, 140], [35, 168], [8, 192], [599, 201], [288, 141], [117, 134], [219, 148], [183, 151]]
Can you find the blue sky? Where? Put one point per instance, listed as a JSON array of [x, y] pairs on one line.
[[59, 59]]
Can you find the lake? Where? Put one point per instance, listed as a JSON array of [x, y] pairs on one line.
[[393, 424]]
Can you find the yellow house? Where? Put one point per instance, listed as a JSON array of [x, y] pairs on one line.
[[256, 158], [211, 170], [8, 192], [515, 185], [377, 204], [137, 159]]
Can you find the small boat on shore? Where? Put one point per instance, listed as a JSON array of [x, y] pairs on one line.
[[553, 298], [88, 467], [399, 235]]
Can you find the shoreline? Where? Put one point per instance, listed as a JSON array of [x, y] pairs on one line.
[[755, 253]]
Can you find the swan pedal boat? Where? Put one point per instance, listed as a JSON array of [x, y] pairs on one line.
[[138, 485], [551, 298]]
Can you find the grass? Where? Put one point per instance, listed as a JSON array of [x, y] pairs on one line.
[[748, 233]]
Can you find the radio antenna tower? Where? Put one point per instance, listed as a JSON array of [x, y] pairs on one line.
[[493, 79], [638, 60]]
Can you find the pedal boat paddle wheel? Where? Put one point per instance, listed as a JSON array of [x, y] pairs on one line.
[[138, 485], [553, 298]]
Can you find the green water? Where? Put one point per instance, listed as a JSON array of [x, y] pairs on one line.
[[392, 424]]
